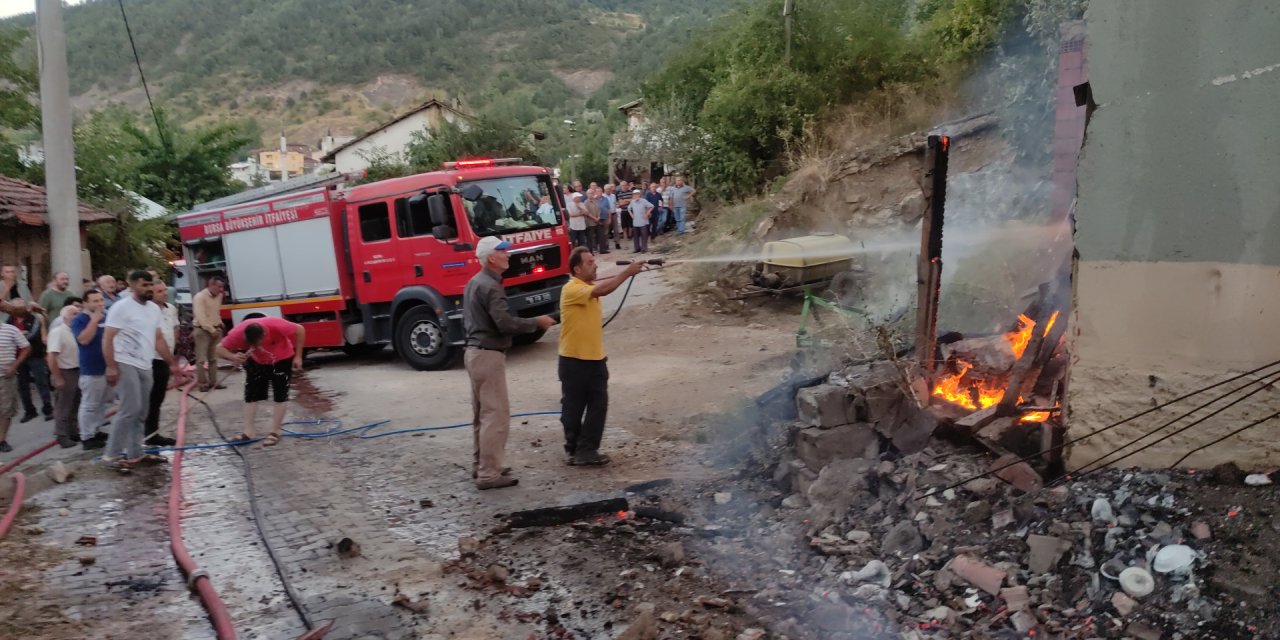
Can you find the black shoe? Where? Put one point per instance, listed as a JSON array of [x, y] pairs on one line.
[[98, 441], [48, 413], [4, 447], [160, 441], [28, 417], [590, 460], [67, 443]]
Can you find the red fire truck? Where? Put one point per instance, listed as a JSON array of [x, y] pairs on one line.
[[385, 263]]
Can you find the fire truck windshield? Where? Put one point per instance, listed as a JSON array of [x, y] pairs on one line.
[[506, 205]]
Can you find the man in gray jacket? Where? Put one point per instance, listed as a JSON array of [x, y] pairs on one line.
[[490, 325]]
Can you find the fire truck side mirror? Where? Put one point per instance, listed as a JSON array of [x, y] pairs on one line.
[[438, 209], [444, 232]]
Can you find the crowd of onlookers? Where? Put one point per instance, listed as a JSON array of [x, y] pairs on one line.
[[81, 355], [600, 215]]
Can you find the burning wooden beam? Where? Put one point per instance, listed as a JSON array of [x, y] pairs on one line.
[[553, 516], [929, 264]]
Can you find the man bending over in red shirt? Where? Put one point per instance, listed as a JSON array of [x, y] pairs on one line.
[[270, 350]]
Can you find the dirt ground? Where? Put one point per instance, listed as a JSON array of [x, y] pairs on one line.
[[407, 500]]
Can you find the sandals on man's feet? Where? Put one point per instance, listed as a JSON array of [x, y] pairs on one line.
[[271, 440], [151, 458], [242, 438]]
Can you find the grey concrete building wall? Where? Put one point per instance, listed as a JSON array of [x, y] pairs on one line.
[[1178, 221]]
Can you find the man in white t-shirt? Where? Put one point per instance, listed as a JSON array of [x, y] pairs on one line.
[[133, 336], [64, 369], [577, 220]]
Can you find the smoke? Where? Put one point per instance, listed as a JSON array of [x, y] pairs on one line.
[[982, 292]]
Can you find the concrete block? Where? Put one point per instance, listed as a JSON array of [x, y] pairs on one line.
[[818, 447], [825, 406], [802, 479]]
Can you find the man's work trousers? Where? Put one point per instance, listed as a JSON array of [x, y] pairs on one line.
[[34, 372], [159, 387], [602, 237], [126, 435], [491, 411], [206, 357], [584, 403], [65, 402], [95, 395]]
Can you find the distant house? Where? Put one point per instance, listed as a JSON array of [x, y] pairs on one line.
[[634, 111], [393, 137], [250, 172], [297, 158], [328, 143], [24, 230], [633, 156]]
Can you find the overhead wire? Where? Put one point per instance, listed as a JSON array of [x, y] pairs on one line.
[[1085, 470], [145, 89], [1228, 436]]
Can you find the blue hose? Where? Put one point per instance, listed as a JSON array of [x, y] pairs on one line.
[[338, 430]]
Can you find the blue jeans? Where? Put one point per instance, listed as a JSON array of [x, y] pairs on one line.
[[679, 211], [659, 222]]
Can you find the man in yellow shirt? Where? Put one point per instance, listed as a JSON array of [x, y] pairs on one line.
[[584, 373]]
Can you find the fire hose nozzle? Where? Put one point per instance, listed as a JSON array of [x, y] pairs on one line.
[[657, 262]]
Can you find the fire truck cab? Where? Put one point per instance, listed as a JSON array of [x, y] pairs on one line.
[[386, 262]]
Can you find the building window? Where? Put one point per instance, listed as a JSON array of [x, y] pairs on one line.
[[375, 223]]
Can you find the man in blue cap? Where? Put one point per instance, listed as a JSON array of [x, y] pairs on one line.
[[490, 324]]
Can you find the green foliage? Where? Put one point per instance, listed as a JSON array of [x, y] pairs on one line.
[[483, 137], [383, 164], [18, 82], [481, 51], [182, 168], [736, 91]]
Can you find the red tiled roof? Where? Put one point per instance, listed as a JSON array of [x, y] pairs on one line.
[[28, 204]]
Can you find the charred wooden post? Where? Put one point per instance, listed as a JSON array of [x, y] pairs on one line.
[[1027, 364], [553, 516], [929, 264]]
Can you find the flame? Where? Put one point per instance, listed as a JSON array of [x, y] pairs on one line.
[[1019, 337], [1049, 325], [979, 394], [1035, 416]]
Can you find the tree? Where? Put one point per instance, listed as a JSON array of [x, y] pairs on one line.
[[483, 137], [18, 83], [180, 168]]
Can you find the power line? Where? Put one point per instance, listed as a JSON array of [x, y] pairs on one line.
[[147, 90]]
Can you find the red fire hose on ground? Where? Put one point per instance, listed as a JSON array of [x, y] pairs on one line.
[[197, 579], [19, 487]]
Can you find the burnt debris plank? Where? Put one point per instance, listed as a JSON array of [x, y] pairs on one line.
[[553, 516]]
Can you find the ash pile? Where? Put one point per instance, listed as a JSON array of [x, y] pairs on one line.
[[916, 536]]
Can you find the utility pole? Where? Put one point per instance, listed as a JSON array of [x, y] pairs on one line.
[[284, 157], [788, 10], [63, 210]]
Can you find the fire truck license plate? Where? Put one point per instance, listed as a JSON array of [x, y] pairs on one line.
[[538, 298]]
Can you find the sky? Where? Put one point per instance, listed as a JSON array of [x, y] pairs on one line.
[[15, 7]]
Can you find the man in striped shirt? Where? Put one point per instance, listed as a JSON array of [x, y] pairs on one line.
[[14, 349]]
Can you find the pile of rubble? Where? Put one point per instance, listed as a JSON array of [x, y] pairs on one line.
[[900, 555]]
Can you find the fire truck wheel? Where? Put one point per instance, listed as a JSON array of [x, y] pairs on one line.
[[420, 340], [528, 338]]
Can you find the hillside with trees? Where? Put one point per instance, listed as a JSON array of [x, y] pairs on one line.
[[308, 65]]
